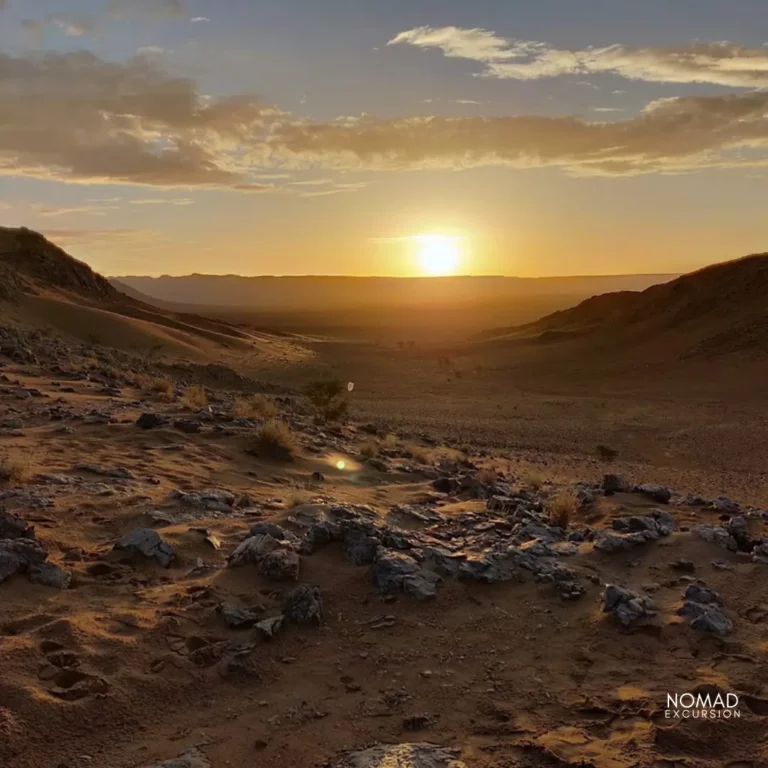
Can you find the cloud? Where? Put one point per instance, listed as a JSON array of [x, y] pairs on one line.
[[82, 119], [717, 63], [136, 238], [669, 135], [85, 120], [52, 211], [163, 201], [199, 20], [154, 9], [70, 27]]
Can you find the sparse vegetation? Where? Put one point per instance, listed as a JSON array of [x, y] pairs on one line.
[[195, 397], [486, 476], [606, 453], [274, 440], [390, 442], [562, 508], [254, 407], [297, 497], [369, 449], [329, 399], [534, 479], [14, 468], [421, 455], [163, 387]]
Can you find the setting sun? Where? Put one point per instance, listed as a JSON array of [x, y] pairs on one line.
[[438, 254]]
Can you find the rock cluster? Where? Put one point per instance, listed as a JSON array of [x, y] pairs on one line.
[[704, 607], [628, 607]]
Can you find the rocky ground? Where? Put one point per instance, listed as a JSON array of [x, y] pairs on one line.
[[170, 596]]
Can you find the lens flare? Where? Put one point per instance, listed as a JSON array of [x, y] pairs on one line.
[[341, 464]]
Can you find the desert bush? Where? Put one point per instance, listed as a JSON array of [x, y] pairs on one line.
[[163, 387], [297, 497], [329, 399], [420, 454], [606, 453], [274, 440], [562, 508], [390, 442], [254, 407], [534, 479], [369, 449], [14, 468], [195, 397], [486, 476]]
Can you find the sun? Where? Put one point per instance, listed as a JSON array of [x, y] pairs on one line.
[[438, 254]]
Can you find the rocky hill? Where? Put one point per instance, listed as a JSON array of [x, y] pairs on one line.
[[717, 310]]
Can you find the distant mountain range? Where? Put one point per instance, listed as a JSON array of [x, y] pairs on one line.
[[333, 293]]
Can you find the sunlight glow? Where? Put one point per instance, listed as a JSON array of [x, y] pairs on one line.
[[438, 254]]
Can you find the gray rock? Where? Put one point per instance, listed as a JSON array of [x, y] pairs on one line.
[[395, 571], [739, 529], [151, 421], [700, 593], [280, 565], [421, 755], [613, 483], [188, 426], [268, 628], [627, 606], [304, 605], [760, 553], [14, 527], [17, 555], [726, 506], [148, 543], [49, 575], [253, 549], [360, 548], [119, 473], [716, 534], [192, 758], [237, 617], [273, 530], [609, 541], [707, 618], [658, 523], [657, 493], [485, 569]]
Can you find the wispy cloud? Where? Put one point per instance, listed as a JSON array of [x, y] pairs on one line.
[[199, 20], [163, 201], [70, 27], [153, 9], [717, 63], [93, 121], [55, 211]]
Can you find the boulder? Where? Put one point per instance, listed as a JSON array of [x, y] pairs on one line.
[[149, 544], [613, 483], [304, 605], [657, 493], [49, 575], [151, 421], [628, 607], [716, 534], [280, 565], [395, 571]]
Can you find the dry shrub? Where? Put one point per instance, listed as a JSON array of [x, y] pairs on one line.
[[15, 468], [390, 442], [369, 449], [254, 407], [329, 399], [486, 476], [163, 387], [274, 440], [562, 508], [297, 497], [195, 397], [534, 479], [420, 454]]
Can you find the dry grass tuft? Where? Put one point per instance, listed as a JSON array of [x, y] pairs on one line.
[[562, 508], [195, 397], [390, 442], [163, 387], [276, 441], [487, 476], [421, 455], [297, 497], [14, 469], [254, 407], [369, 449], [534, 479]]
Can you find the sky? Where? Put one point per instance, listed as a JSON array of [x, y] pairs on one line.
[[531, 137]]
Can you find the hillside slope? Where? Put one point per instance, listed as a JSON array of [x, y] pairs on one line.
[[43, 286], [718, 310]]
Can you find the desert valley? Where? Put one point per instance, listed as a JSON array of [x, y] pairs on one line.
[[502, 548]]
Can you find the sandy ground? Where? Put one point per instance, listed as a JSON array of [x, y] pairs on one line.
[[133, 664]]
